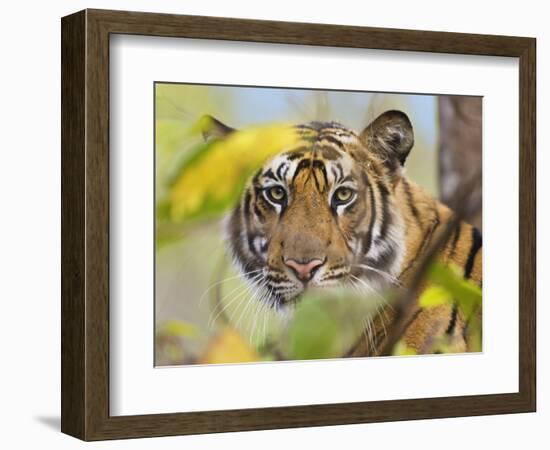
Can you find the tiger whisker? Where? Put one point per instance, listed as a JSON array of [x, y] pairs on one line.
[[217, 283], [238, 292], [380, 313], [387, 275], [241, 304], [378, 310], [242, 290], [264, 325], [369, 288], [249, 302], [267, 309], [235, 293], [244, 307], [383, 301], [260, 312], [256, 313], [366, 329]]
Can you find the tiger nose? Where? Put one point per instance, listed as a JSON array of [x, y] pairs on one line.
[[304, 270]]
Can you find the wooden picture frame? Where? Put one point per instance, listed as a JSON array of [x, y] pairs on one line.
[[85, 224]]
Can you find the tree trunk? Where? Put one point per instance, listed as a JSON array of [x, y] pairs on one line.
[[460, 145]]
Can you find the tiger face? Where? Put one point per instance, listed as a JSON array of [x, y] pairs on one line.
[[324, 213]]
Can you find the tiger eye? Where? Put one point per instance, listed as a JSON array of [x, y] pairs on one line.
[[276, 193], [343, 194]]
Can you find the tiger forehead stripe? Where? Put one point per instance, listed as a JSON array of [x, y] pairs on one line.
[[320, 175], [331, 139], [282, 170], [320, 130], [321, 151]]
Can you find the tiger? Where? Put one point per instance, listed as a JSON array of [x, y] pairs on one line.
[[340, 206]]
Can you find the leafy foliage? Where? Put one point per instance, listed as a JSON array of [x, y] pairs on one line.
[[453, 286], [313, 332], [325, 324], [447, 287], [170, 341], [211, 178], [229, 347], [401, 349]]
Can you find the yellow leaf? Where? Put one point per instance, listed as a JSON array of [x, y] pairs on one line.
[[178, 328], [212, 181], [434, 296], [465, 292], [402, 349], [229, 347]]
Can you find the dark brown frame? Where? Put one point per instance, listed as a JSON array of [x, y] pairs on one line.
[[85, 224]]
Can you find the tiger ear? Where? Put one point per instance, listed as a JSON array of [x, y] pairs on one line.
[[391, 136], [212, 128]]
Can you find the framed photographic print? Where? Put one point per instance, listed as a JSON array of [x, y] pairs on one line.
[[271, 224]]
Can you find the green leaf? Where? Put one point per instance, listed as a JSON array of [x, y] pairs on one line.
[[313, 332], [465, 292], [212, 176], [402, 349], [434, 296], [178, 328]]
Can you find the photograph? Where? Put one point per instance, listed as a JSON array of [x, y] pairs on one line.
[[306, 224]]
